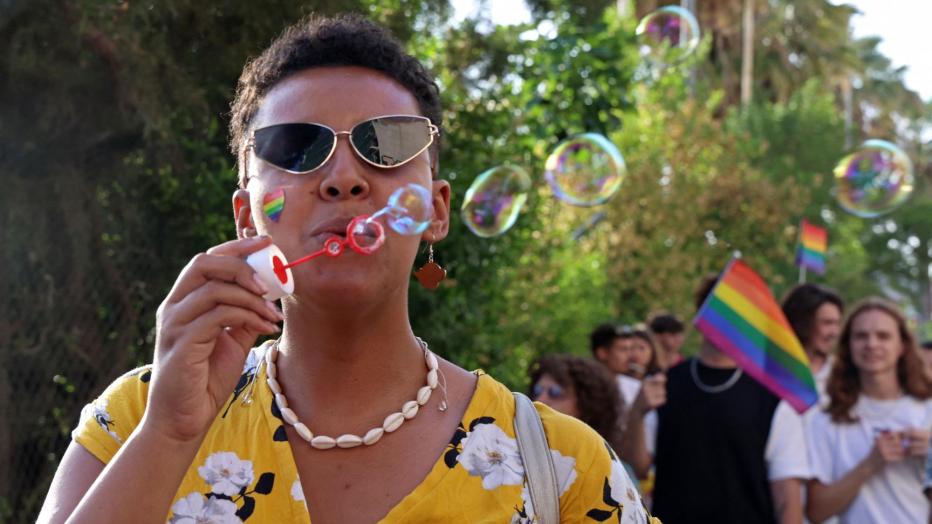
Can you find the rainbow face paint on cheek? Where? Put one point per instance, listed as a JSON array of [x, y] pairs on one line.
[[273, 203]]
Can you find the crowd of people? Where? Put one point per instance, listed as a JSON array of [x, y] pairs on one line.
[[709, 443]]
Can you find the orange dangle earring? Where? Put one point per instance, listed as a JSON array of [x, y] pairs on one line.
[[431, 274]]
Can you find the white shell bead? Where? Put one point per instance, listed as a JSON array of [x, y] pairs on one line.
[[289, 415], [348, 441], [410, 409], [423, 395], [393, 422], [281, 401], [373, 436], [323, 442], [303, 431]]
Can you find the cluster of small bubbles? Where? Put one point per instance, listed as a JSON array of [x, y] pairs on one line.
[[409, 209], [874, 179], [585, 170], [668, 35], [494, 199]]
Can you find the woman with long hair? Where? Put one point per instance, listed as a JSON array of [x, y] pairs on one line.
[[867, 447]]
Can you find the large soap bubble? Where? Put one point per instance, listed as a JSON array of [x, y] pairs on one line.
[[586, 170], [874, 179], [408, 211], [494, 200], [668, 35]]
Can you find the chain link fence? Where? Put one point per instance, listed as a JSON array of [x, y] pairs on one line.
[[76, 313]]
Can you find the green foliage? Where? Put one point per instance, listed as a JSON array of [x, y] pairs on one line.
[[113, 138]]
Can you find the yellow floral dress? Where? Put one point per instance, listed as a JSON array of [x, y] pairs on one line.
[[245, 472]]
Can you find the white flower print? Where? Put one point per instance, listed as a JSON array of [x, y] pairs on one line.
[[226, 473], [194, 509], [489, 453], [297, 492], [624, 493], [565, 468], [98, 410], [528, 508], [252, 360]]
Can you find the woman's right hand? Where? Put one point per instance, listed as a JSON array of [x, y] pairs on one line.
[[205, 328]]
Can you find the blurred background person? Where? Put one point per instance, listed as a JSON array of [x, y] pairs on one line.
[[669, 333], [725, 449], [614, 352], [815, 312], [868, 446], [580, 388], [642, 352], [583, 389], [926, 352]]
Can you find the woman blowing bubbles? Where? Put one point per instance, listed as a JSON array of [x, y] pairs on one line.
[[350, 427]]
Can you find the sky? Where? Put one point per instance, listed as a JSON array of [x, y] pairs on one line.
[[900, 23]]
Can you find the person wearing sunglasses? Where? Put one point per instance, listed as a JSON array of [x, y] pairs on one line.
[[344, 415], [584, 389], [580, 388]]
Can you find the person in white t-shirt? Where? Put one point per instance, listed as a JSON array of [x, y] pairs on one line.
[[815, 312], [867, 448]]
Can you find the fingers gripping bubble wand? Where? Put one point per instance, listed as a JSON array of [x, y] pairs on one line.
[[408, 212]]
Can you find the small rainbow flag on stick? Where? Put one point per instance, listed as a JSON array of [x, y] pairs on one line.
[[741, 318], [813, 244]]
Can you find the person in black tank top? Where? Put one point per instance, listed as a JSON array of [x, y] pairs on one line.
[[709, 456], [724, 449]]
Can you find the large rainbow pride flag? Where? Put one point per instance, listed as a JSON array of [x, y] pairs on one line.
[[813, 244], [742, 319]]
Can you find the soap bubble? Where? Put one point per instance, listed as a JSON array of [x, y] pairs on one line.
[[409, 210], [874, 179], [494, 200], [668, 35], [585, 170], [364, 236]]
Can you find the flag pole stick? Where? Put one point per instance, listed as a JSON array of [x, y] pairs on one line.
[[802, 274]]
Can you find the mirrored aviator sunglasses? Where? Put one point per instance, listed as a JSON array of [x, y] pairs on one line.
[[384, 142]]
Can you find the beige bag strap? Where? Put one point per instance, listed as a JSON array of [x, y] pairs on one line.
[[538, 462]]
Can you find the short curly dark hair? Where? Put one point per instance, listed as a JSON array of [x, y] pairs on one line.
[[598, 400], [318, 41]]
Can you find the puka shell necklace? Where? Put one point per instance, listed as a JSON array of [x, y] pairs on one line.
[[391, 423]]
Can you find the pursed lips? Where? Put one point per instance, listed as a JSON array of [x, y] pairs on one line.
[[334, 227]]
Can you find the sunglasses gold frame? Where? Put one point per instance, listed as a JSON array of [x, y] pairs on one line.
[[433, 131]]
